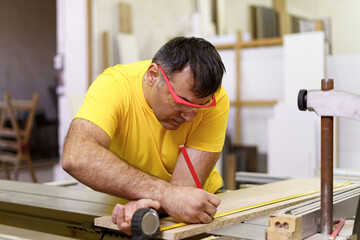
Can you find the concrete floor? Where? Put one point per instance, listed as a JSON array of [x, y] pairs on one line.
[[47, 170]]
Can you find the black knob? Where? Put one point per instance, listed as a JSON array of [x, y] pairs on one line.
[[145, 224], [302, 100]]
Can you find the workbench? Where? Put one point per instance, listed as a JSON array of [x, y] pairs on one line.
[[70, 212]]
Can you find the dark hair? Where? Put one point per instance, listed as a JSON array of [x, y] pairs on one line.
[[205, 62]]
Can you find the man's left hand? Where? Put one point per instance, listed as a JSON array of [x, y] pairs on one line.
[[122, 214]]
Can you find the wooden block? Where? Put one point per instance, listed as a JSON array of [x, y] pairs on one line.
[[284, 226]]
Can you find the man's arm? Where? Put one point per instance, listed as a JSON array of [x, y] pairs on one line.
[[203, 162], [87, 158]]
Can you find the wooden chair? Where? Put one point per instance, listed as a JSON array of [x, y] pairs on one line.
[[14, 139]]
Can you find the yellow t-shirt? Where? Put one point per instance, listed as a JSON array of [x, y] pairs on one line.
[[115, 102]]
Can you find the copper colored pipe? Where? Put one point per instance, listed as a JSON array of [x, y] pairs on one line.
[[327, 166]]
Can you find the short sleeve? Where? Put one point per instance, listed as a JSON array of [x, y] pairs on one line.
[[106, 101], [209, 135]]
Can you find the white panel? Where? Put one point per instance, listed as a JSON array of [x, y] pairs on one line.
[[345, 71], [294, 136], [262, 73], [128, 48], [254, 126], [304, 62], [293, 143]]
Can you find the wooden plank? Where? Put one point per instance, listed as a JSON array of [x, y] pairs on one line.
[[9, 132], [254, 103], [125, 18], [279, 5], [238, 47], [242, 199], [8, 144], [105, 49], [19, 104], [255, 194], [254, 43], [263, 42], [231, 167], [224, 46], [9, 158], [284, 17]]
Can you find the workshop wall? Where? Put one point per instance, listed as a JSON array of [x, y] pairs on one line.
[[153, 24], [72, 50], [156, 21], [27, 47], [344, 19], [28, 44], [237, 14]]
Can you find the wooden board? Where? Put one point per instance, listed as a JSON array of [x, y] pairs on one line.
[[274, 195], [125, 22]]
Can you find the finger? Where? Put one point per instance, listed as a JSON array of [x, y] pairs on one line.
[[214, 200], [149, 203], [124, 221], [154, 204], [205, 218], [115, 213], [210, 210], [126, 228], [120, 217]]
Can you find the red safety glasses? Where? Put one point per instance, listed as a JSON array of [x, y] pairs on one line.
[[177, 102]]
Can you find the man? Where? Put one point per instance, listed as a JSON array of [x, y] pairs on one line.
[[125, 138]]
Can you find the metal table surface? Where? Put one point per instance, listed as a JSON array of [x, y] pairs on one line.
[[57, 210]]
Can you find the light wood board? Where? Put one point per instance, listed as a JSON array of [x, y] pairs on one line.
[[243, 198]]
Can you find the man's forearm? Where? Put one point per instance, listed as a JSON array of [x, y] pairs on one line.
[[87, 158], [103, 171]]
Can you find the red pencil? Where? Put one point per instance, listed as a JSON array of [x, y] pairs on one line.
[[192, 170]]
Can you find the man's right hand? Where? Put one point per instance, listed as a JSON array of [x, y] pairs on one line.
[[190, 204]]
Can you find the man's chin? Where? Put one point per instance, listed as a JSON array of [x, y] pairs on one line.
[[170, 126]]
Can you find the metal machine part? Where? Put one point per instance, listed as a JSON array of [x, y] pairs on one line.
[[330, 103], [145, 224]]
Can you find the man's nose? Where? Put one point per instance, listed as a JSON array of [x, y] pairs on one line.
[[188, 115]]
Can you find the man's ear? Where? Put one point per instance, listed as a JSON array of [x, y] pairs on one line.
[[152, 74]]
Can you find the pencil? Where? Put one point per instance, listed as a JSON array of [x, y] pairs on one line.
[[191, 168]]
